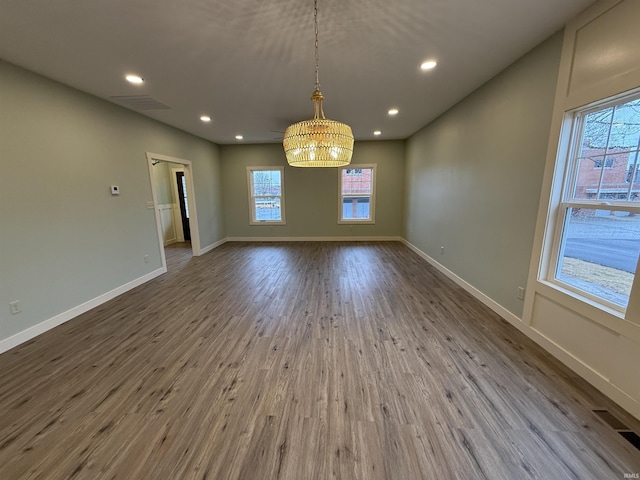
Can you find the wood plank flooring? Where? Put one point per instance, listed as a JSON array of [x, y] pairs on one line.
[[299, 361]]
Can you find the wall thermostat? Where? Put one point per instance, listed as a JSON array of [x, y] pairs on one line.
[[115, 190]]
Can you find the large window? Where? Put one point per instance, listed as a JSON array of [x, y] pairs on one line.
[[357, 194], [597, 247], [266, 195]]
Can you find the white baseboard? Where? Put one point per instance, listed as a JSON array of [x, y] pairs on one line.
[[208, 248], [34, 331], [571, 361], [314, 239]]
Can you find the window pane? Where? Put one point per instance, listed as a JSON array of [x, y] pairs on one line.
[[608, 157], [588, 179], [614, 184], [268, 208], [266, 182], [356, 208], [595, 135], [599, 252], [357, 181], [633, 177], [625, 129]]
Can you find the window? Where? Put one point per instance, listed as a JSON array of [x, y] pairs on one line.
[[608, 162], [599, 222], [357, 194], [266, 195], [633, 171]]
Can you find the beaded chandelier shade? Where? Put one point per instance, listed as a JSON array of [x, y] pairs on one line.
[[318, 142]]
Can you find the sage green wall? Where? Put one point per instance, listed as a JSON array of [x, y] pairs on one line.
[[473, 177], [311, 194], [64, 240]]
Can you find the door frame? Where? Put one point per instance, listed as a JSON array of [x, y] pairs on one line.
[[191, 197]]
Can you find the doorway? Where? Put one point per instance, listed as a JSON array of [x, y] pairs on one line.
[[180, 192], [174, 201]]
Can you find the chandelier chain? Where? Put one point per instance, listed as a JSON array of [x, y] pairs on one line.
[[318, 142], [315, 23]]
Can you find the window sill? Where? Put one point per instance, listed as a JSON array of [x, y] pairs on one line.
[[356, 222]]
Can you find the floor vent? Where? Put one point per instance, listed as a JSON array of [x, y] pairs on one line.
[[632, 437], [140, 102], [614, 422]]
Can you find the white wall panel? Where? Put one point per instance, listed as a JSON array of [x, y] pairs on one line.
[[624, 361], [586, 340], [167, 224], [607, 46], [600, 59]]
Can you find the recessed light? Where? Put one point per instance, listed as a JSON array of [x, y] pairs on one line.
[[239, 137], [377, 132], [135, 79], [428, 65], [393, 111], [205, 118]]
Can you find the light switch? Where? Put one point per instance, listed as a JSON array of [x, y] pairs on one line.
[[115, 190]]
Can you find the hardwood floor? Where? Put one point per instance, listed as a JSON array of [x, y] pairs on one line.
[[299, 361]]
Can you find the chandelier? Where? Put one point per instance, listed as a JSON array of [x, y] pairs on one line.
[[318, 142]]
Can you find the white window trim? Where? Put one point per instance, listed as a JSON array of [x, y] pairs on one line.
[[252, 210], [372, 201], [547, 274]]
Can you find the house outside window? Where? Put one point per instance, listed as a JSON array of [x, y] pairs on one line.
[[633, 170], [356, 191], [598, 231], [266, 195], [608, 162]]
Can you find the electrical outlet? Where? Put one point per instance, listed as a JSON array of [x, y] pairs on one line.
[[146, 259], [521, 293], [15, 307]]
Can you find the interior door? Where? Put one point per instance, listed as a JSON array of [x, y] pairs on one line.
[[184, 205]]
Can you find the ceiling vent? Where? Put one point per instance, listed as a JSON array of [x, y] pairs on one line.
[[140, 102]]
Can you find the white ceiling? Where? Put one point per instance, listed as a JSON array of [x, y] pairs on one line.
[[249, 64]]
